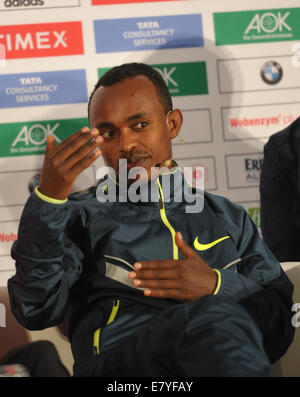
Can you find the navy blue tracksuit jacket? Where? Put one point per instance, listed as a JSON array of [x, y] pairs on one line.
[[72, 264]]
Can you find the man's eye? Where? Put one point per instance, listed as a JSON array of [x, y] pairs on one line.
[[141, 124], [107, 133]]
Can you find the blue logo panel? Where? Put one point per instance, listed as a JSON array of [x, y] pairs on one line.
[[43, 88], [150, 33]]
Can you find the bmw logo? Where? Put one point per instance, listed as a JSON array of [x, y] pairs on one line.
[[271, 72]]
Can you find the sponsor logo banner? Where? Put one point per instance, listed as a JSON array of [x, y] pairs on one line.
[[271, 72], [29, 138], [257, 122], [42, 40], [188, 78], [157, 32], [257, 74], [257, 26], [8, 5], [243, 170], [43, 88], [101, 2]]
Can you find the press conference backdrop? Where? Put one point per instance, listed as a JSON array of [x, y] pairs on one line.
[[232, 67]]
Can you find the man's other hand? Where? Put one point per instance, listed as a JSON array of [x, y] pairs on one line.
[[186, 279]]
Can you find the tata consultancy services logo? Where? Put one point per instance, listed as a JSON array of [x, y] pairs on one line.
[[148, 33], [43, 88], [271, 72], [257, 26], [42, 40]]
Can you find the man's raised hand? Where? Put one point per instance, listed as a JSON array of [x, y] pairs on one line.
[[63, 163]]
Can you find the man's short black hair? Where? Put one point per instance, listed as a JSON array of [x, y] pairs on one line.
[[127, 70]]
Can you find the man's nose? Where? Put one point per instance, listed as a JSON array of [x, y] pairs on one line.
[[127, 141]]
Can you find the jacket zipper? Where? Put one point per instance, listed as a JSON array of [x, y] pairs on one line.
[[165, 219], [113, 313]]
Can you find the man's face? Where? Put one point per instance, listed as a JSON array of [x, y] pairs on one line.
[[131, 119]]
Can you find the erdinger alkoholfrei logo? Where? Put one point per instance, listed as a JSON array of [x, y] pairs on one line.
[[271, 72], [253, 168]]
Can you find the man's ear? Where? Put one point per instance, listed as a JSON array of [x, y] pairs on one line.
[[174, 121]]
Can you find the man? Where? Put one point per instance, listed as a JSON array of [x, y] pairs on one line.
[[147, 288], [280, 193]]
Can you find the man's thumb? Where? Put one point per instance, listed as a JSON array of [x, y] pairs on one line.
[[187, 251], [51, 144]]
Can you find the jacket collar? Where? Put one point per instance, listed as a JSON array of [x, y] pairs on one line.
[[170, 186]]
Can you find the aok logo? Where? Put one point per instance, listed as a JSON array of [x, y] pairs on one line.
[[40, 40], [180, 77], [35, 135], [268, 23], [167, 76]]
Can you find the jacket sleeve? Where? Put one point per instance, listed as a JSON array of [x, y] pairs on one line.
[[259, 284], [48, 262]]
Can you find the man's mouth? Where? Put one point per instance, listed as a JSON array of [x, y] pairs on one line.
[[136, 161]]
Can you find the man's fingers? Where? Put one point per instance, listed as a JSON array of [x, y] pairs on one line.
[[85, 162], [83, 139], [187, 251], [74, 143], [158, 274], [84, 152], [164, 293], [83, 130], [156, 264], [156, 284]]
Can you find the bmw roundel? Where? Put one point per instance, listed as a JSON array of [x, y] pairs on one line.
[[271, 72]]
